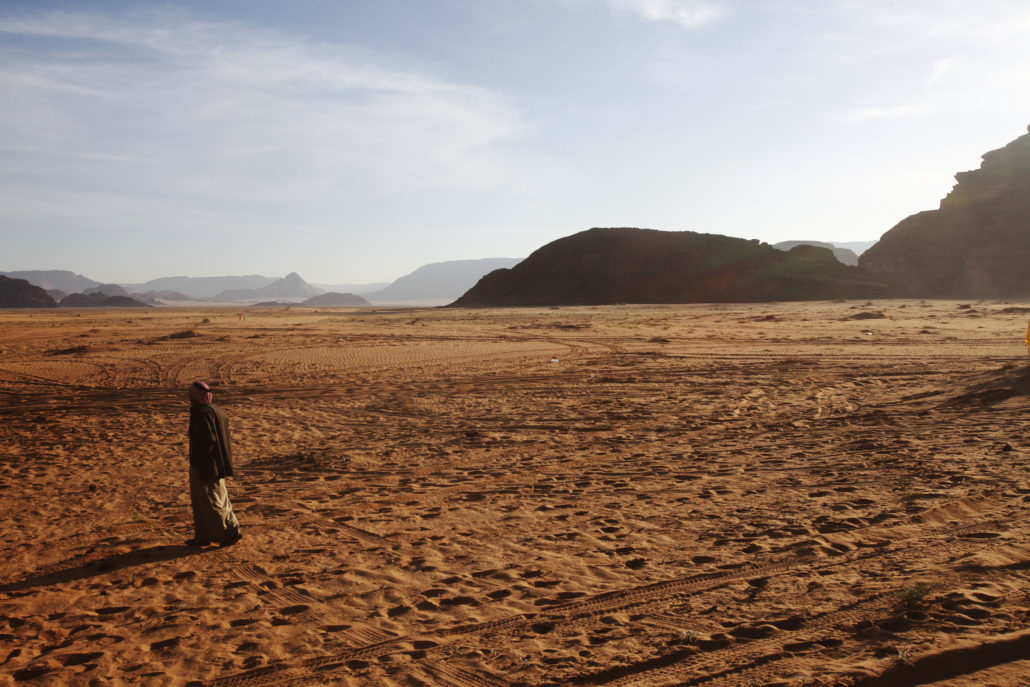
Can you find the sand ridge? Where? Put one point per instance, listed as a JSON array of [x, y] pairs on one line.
[[795, 494]]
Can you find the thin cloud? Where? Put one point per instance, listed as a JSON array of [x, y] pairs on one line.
[[864, 114], [174, 106], [928, 58], [690, 14], [943, 68]]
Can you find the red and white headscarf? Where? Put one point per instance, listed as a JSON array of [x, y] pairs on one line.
[[200, 393]]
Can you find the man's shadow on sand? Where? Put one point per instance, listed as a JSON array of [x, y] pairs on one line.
[[129, 559]]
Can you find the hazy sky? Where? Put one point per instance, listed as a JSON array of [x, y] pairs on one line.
[[355, 140]]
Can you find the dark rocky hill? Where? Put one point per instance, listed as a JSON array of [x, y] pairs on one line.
[[19, 293], [976, 245], [336, 300], [100, 300], [603, 266]]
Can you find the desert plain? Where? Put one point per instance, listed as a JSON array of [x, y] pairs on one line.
[[830, 493]]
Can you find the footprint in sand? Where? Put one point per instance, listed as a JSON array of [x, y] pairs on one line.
[[80, 659], [165, 644], [31, 673], [398, 611], [336, 628], [294, 610], [112, 610]]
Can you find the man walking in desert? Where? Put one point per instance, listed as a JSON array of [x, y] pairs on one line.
[[210, 464]]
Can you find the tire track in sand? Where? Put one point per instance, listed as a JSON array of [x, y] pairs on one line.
[[298, 671]]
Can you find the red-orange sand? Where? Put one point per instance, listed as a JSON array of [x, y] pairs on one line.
[[775, 494]]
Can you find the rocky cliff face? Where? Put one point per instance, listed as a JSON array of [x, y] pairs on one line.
[[976, 245], [622, 265], [19, 293]]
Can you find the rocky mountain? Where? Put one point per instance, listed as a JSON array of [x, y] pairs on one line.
[[625, 265], [291, 286], [201, 287], [336, 300], [19, 293], [439, 282], [63, 280], [844, 256], [351, 288], [161, 297], [975, 245], [107, 290], [98, 299], [322, 300]]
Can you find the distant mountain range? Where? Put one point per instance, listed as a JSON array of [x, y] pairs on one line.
[[291, 286], [438, 282], [350, 288], [61, 280], [858, 247], [976, 245], [322, 300], [433, 284], [201, 288], [845, 256]]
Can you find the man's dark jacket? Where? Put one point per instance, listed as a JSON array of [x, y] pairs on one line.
[[210, 449]]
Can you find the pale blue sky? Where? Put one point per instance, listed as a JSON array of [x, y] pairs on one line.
[[353, 141]]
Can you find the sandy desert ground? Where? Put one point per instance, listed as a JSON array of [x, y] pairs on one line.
[[775, 494]]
